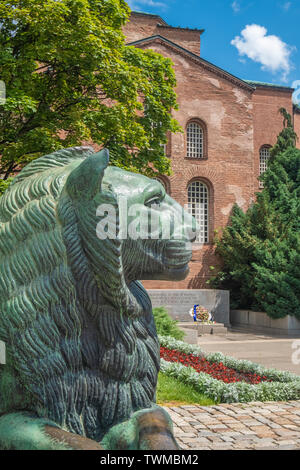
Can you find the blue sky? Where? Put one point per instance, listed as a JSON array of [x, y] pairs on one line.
[[254, 40]]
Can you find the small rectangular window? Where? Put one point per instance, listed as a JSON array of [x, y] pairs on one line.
[[195, 141], [264, 156], [198, 208]]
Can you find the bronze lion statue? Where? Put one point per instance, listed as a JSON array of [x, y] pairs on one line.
[[82, 349]]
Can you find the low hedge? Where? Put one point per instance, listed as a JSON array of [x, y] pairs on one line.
[[165, 325], [284, 386]]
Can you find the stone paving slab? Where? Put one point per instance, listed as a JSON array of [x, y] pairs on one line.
[[239, 426]]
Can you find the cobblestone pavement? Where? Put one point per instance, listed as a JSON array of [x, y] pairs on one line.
[[259, 426]]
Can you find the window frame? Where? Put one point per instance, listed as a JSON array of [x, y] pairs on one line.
[[207, 228], [203, 127], [263, 148]]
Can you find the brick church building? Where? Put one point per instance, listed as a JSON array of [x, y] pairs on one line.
[[229, 127]]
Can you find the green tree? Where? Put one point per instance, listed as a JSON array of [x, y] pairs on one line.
[[287, 137], [70, 78], [261, 248]]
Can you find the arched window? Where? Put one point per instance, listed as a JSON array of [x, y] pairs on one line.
[[195, 140], [264, 156], [198, 207]]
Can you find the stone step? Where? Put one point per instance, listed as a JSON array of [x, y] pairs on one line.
[[214, 329]]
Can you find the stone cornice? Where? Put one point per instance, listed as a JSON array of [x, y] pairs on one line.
[[270, 86]]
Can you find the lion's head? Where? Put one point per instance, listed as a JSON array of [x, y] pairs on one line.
[[159, 245], [151, 230], [80, 335]]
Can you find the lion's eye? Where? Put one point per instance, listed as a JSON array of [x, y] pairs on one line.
[[153, 202]]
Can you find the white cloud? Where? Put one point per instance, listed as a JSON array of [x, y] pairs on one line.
[[235, 6], [268, 50], [145, 3], [287, 5]]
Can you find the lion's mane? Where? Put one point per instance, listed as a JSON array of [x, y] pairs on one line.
[[82, 347]]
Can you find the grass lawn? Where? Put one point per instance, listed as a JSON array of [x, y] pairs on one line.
[[173, 392]]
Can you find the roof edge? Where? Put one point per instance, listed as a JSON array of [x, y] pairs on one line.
[[198, 59], [134, 12], [270, 85], [166, 26], [164, 23]]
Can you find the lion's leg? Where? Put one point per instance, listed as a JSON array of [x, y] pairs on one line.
[[155, 430], [149, 429], [24, 431]]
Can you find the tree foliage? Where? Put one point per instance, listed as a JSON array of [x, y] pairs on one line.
[[4, 184], [287, 137], [261, 248], [70, 78]]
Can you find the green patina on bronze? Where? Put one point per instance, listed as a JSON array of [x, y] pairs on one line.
[[82, 349]]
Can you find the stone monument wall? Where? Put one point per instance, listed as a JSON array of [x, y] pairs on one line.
[[178, 302]]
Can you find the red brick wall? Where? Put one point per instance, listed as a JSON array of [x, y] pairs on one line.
[[144, 26], [188, 39], [268, 122], [297, 127], [140, 27]]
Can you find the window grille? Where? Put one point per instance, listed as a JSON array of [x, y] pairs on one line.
[[195, 140], [264, 156], [198, 208]]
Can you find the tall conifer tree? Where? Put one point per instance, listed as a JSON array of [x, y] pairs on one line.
[[261, 248]]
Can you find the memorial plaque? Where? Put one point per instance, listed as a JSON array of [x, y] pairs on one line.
[[179, 302]]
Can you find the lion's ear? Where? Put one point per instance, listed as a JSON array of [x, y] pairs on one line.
[[86, 179]]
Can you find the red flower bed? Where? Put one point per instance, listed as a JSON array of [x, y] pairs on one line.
[[216, 370]]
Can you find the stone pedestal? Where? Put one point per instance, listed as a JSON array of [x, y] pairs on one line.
[[202, 329]]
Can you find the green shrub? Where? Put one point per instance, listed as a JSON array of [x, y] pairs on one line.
[[165, 325]]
